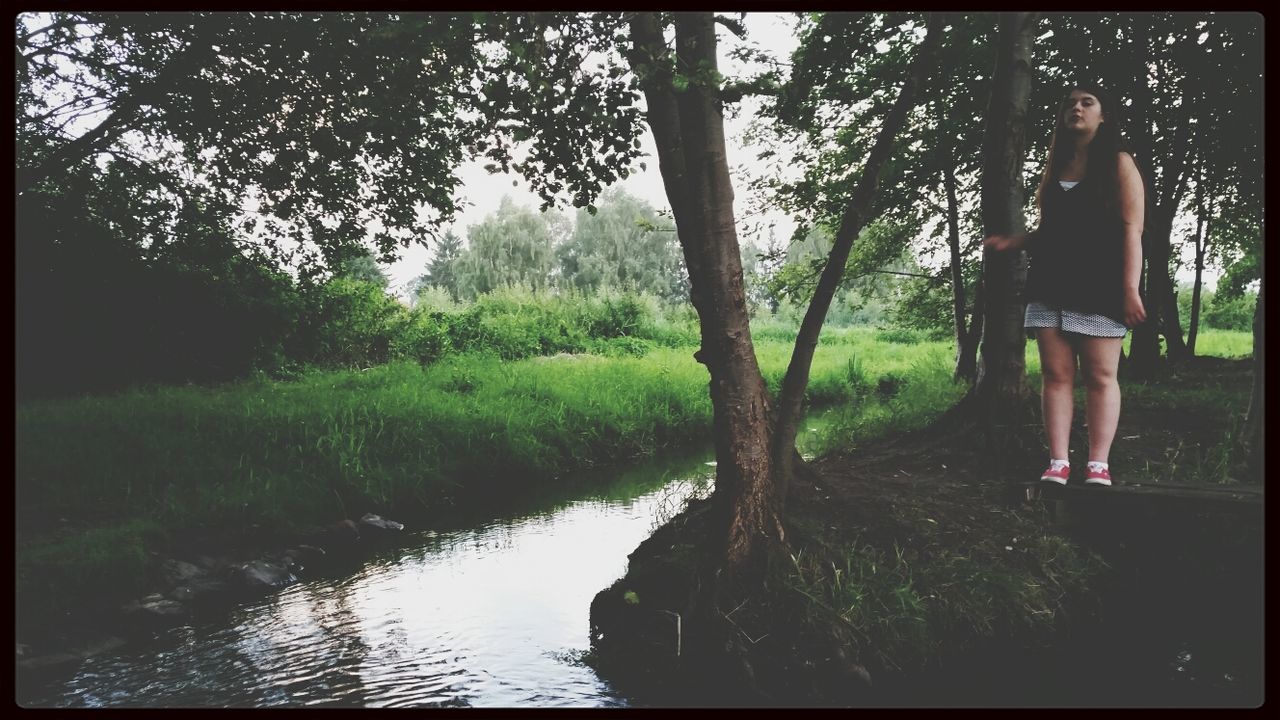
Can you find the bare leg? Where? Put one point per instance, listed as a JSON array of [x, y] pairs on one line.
[[1100, 359], [1058, 371]]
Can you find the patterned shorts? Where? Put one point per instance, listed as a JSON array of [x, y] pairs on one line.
[[1040, 315]]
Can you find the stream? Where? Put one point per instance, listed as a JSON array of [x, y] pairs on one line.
[[489, 609]]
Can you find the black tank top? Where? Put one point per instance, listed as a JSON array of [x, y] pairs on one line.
[[1077, 258]]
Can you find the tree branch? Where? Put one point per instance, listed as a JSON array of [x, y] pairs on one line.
[[734, 26], [852, 221]]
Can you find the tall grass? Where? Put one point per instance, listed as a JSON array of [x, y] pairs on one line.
[[307, 451], [902, 386], [330, 444], [908, 606], [1213, 342]]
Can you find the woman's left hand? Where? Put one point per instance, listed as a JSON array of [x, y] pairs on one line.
[[1134, 313]]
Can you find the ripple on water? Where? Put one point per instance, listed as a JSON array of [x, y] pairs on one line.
[[495, 615]]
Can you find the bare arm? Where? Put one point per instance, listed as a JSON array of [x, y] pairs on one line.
[[1131, 214], [1001, 243]]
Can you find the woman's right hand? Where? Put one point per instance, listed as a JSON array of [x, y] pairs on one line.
[[1001, 243]]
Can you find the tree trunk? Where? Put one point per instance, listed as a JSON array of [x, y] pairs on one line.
[[1193, 323], [1166, 296], [1202, 239], [854, 218], [1160, 292], [967, 362], [1144, 347], [957, 270], [1253, 422], [1162, 201], [1159, 296], [1002, 367], [1001, 396], [688, 128]]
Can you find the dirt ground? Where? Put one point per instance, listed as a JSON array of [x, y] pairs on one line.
[[1182, 566], [1154, 585]]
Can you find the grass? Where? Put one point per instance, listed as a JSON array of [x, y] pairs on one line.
[[906, 606], [281, 452], [295, 455], [120, 471]]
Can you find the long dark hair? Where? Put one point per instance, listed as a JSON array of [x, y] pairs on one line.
[[1104, 149]]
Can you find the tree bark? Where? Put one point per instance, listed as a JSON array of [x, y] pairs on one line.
[[967, 362], [689, 131], [1144, 347], [1163, 196], [1253, 430], [1165, 296], [957, 270], [1202, 239], [1000, 397], [1002, 375]]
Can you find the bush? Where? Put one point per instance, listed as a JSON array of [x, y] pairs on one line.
[[622, 347], [859, 380], [421, 335], [348, 323], [901, 336], [1230, 313], [611, 316]]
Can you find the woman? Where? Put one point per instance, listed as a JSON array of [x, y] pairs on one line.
[[1082, 286]]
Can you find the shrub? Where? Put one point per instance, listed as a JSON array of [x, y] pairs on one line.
[[901, 336], [1230, 313], [421, 335], [611, 316], [348, 323]]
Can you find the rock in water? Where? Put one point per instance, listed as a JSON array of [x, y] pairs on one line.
[[380, 523], [264, 574]]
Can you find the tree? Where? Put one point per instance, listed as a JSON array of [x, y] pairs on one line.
[[1252, 436], [512, 246], [1204, 223], [1001, 388], [934, 166], [625, 244], [363, 267], [440, 270], [755, 437], [375, 111]]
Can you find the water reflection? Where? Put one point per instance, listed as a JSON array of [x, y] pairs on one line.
[[494, 615]]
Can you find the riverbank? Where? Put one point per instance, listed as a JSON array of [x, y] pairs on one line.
[[110, 488], [913, 580]]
